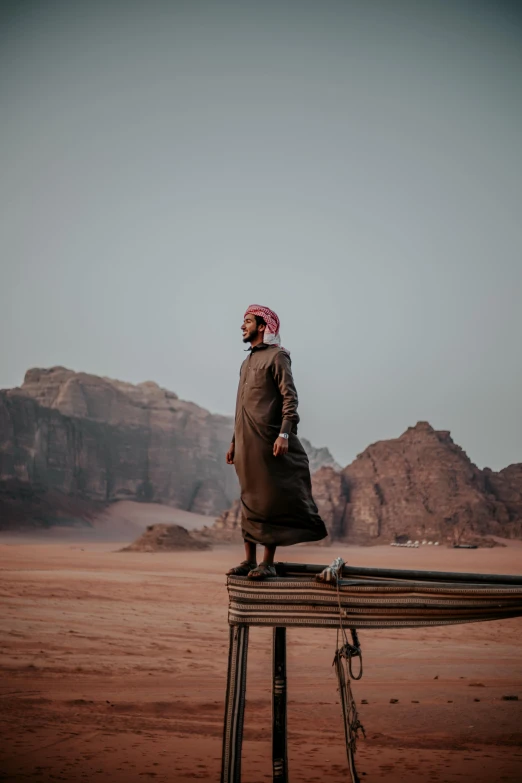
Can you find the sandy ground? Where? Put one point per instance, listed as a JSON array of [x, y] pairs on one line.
[[113, 666], [121, 522]]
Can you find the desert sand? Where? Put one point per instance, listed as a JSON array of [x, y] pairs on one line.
[[114, 668], [127, 518]]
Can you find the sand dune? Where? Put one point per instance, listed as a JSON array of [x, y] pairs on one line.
[[127, 514], [114, 667]]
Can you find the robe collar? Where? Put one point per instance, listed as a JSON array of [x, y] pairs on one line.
[[260, 347]]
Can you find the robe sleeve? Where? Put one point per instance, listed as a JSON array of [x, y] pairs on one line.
[[282, 370]]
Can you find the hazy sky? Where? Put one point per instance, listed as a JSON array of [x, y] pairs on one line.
[[356, 166]]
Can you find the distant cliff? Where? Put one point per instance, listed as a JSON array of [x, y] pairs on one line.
[[422, 485], [73, 441], [106, 440], [319, 457]]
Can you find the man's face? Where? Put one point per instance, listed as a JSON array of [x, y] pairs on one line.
[[250, 328]]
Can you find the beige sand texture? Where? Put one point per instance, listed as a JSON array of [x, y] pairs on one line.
[[114, 668], [129, 518]]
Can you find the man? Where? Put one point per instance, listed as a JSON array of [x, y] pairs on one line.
[[271, 464]]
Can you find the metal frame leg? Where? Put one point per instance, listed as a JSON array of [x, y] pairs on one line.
[[279, 744], [235, 704]]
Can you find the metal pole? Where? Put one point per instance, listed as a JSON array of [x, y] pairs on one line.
[[235, 704], [286, 569], [279, 745]]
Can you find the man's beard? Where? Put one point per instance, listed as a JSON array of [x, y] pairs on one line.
[[250, 336]]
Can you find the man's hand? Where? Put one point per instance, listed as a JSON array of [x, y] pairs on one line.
[[280, 447], [230, 454]]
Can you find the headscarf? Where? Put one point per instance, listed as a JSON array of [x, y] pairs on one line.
[[271, 333]]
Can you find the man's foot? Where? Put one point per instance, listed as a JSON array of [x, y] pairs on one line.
[[262, 571], [243, 569]]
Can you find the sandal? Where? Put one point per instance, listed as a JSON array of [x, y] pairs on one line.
[[262, 571], [243, 569]]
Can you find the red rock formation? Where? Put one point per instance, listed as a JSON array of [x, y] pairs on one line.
[[165, 538], [424, 486], [330, 494], [420, 485], [506, 487], [66, 435], [227, 527], [105, 440]]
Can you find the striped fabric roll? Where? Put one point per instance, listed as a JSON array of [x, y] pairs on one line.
[[368, 603]]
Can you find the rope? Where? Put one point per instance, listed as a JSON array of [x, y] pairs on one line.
[[342, 661], [352, 724]]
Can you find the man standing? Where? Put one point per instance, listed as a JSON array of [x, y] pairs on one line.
[[271, 464]]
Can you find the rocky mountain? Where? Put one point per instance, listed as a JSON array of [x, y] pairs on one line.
[[420, 485], [70, 442], [506, 487], [319, 457], [106, 440]]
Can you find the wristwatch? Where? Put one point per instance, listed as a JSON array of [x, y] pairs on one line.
[[283, 435]]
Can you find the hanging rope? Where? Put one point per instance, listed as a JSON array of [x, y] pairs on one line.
[[346, 651], [349, 651], [352, 724]]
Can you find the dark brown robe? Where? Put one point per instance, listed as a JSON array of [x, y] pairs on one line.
[[276, 492]]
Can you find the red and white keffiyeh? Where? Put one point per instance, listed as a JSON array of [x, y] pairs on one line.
[[271, 333]]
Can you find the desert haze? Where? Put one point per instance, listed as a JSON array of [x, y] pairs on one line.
[[114, 657], [71, 444], [114, 667], [356, 167]]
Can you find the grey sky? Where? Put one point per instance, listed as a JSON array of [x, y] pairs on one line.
[[357, 166]]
